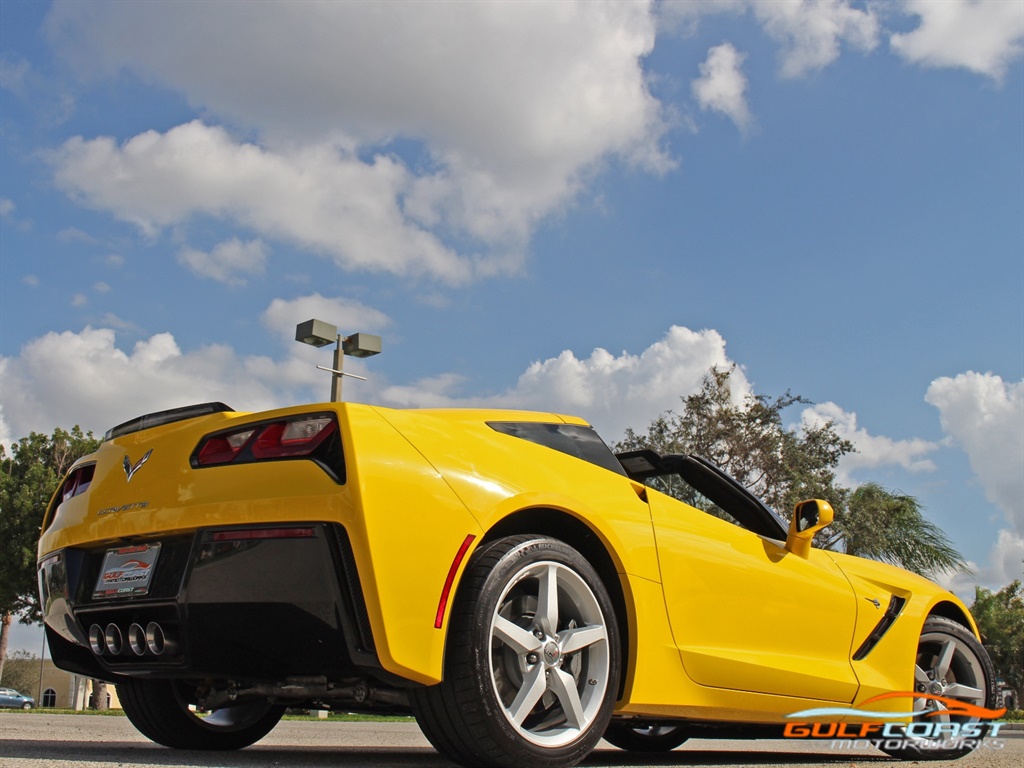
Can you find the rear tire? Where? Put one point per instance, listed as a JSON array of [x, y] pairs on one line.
[[532, 662], [951, 663], [159, 709]]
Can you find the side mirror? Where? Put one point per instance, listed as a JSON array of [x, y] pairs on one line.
[[809, 517]]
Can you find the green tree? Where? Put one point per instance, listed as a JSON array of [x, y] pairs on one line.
[[747, 438], [28, 478], [1000, 617], [21, 672]]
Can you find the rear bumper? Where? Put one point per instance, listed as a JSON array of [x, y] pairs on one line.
[[279, 604]]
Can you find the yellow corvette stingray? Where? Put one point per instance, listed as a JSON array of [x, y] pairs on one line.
[[503, 575]]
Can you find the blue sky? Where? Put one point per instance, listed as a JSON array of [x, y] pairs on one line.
[[574, 207]]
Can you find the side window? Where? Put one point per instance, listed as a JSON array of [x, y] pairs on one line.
[[572, 439]]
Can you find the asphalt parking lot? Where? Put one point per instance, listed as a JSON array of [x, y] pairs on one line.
[[63, 741]]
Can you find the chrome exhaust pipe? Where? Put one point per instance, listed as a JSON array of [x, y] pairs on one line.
[[157, 640], [96, 641], [114, 640], [137, 639]]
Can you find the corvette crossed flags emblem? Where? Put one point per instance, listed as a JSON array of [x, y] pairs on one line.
[[130, 469]]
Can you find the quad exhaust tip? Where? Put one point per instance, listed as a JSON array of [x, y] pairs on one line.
[[152, 640]]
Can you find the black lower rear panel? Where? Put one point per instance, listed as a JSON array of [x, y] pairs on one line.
[[258, 604]]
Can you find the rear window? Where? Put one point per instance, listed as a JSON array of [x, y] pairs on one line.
[[572, 439]]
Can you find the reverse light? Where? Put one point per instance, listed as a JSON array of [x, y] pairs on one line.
[[302, 436]]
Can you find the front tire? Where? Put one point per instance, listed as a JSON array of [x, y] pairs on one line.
[[532, 663], [640, 737], [950, 663], [26, 705], [160, 710]]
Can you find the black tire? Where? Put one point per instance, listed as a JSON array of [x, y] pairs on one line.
[[950, 662], [532, 660], [159, 709], [640, 737], [27, 705]]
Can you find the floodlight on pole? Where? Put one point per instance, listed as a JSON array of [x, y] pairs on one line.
[[317, 333]]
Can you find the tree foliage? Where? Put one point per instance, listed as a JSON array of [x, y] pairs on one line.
[[21, 672], [891, 527], [1000, 617], [748, 439], [28, 478]]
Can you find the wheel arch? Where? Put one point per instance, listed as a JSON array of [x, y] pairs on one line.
[[558, 524], [954, 612]]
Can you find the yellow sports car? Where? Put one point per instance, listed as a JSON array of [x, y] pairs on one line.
[[503, 575]]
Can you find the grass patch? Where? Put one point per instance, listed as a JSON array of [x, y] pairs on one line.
[[337, 717], [55, 711]]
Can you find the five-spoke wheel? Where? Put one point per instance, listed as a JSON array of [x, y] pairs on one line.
[[532, 666], [951, 667]]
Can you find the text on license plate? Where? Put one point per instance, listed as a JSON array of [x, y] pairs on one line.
[[127, 571]]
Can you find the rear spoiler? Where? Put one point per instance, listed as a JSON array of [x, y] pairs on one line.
[[165, 417]]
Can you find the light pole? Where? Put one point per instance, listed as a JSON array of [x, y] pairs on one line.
[[317, 333]]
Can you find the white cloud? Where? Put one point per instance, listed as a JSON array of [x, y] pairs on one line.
[[985, 415], [350, 316], [611, 392], [983, 37], [6, 207], [722, 86], [84, 378], [321, 197], [101, 287], [514, 103], [229, 262], [30, 280], [872, 450], [79, 300], [1005, 563], [811, 32]]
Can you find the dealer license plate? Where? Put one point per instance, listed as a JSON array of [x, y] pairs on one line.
[[126, 571]]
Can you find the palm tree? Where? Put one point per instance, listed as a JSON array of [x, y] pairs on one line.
[[889, 526]]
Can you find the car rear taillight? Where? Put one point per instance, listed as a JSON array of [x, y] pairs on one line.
[[77, 482], [305, 436]]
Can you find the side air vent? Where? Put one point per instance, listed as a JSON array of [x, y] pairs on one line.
[[896, 604]]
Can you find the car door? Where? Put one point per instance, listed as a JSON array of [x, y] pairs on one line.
[[748, 615]]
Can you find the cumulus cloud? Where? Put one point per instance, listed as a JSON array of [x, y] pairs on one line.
[[229, 262], [349, 315], [811, 33], [613, 392], [62, 379], [512, 103], [985, 416], [983, 37], [1005, 563], [722, 86], [872, 450], [320, 197], [6, 207]]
